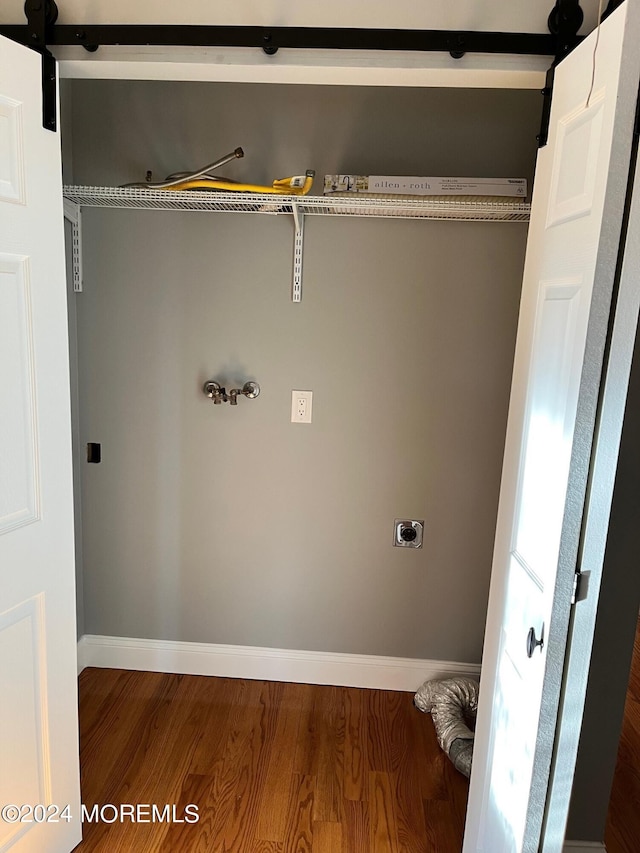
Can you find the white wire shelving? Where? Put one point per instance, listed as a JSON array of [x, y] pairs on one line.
[[230, 202], [464, 210]]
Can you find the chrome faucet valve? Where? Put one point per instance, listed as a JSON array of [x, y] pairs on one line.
[[218, 394], [250, 390], [215, 392]]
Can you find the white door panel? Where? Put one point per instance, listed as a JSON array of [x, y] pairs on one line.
[[575, 163], [556, 358], [23, 714], [19, 472], [11, 151], [38, 705], [556, 380]]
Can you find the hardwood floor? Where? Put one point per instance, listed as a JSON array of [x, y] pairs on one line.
[[623, 822], [272, 767]]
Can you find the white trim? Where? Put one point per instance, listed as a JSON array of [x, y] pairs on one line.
[[385, 673], [583, 847], [298, 66]]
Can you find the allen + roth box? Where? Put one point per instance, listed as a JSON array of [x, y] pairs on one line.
[[408, 185]]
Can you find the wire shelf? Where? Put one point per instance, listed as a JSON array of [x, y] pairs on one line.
[[229, 202]]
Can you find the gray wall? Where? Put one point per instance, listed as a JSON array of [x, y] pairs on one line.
[[233, 525], [123, 128]]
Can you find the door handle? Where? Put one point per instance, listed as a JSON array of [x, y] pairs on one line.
[[533, 642]]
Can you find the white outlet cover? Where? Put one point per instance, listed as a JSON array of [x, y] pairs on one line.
[[301, 404]]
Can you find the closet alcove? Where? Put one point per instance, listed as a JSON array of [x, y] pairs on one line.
[[235, 526]]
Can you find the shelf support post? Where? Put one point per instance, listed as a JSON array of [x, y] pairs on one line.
[[73, 213], [298, 251]]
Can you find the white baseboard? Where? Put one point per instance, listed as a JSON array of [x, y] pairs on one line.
[[583, 847], [344, 670]]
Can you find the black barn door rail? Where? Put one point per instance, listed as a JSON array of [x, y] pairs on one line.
[[272, 38], [42, 32]]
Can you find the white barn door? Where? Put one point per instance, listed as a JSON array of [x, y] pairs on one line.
[[568, 281], [39, 765]]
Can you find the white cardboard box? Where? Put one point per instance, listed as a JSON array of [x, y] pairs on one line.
[[409, 185]]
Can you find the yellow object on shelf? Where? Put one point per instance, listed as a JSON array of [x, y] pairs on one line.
[[296, 185]]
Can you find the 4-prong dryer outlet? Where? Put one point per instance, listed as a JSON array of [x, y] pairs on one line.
[[407, 533]]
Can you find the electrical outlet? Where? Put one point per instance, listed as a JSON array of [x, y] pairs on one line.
[[301, 402], [407, 533]]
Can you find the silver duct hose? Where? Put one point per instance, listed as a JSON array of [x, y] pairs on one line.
[[451, 703]]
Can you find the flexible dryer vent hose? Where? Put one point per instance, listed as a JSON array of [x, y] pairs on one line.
[[451, 703]]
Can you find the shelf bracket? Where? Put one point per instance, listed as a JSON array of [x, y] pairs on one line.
[[298, 250], [73, 213]]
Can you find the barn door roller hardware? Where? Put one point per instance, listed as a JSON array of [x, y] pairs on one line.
[[41, 16], [42, 32], [564, 22]]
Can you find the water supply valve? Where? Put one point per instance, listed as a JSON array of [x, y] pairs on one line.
[[218, 393]]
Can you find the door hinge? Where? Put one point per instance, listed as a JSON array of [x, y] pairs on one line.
[[575, 592]]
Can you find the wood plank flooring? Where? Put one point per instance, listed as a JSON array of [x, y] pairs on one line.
[[272, 767], [622, 834]]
